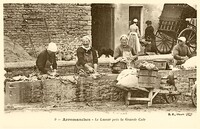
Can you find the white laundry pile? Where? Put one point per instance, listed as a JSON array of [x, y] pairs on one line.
[[103, 58], [190, 63], [128, 78]]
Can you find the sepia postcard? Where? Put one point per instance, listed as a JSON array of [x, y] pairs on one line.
[[99, 64]]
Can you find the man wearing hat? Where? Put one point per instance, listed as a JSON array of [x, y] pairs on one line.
[[150, 38], [181, 52], [46, 60]]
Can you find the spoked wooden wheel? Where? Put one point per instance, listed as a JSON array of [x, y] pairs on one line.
[[191, 38], [170, 98], [194, 95], [163, 43]]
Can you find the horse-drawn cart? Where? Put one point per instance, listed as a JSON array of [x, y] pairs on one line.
[[176, 20]]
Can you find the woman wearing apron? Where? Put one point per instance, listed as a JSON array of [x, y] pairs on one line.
[[134, 36], [123, 55], [87, 58]]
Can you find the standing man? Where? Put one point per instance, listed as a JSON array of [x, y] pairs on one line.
[[181, 52], [150, 38], [46, 60]]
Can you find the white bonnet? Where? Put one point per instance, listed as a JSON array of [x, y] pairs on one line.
[[52, 47]]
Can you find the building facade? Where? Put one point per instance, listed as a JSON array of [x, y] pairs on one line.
[[35, 25]]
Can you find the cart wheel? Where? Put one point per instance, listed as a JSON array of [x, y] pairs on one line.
[[163, 43], [194, 96], [191, 39], [171, 98]]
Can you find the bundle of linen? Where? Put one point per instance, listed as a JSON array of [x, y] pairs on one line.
[[128, 78], [190, 63]]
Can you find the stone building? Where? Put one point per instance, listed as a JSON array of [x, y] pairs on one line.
[[34, 25]]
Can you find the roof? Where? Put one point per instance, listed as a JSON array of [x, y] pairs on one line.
[[178, 11]]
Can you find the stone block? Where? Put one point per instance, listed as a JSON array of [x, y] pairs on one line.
[[98, 90], [87, 27], [56, 90], [22, 92]]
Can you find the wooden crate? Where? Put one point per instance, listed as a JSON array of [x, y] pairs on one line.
[[160, 64], [148, 78], [144, 72]]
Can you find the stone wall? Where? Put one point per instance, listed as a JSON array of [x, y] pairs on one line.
[[34, 25], [62, 91], [64, 68], [86, 90]]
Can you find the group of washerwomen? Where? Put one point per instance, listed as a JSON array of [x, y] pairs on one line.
[[86, 54], [126, 52]]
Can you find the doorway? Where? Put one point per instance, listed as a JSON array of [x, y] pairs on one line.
[[135, 12], [102, 26]]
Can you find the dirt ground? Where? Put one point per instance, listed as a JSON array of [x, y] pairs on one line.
[[179, 106]]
